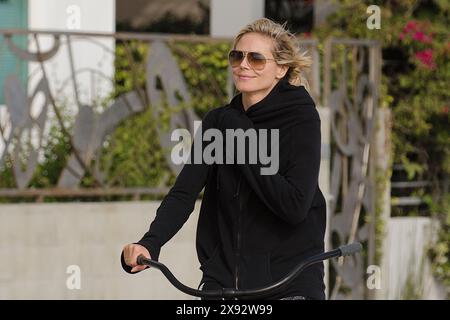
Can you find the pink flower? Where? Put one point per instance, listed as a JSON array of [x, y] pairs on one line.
[[421, 37], [426, 57], [411, 26]]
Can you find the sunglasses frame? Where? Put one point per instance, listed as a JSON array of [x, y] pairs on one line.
[[250, 63]]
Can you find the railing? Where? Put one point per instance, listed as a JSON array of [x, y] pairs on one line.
[[54, 53], [404, 192]]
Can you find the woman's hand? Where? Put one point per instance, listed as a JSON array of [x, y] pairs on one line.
[[130, 254]]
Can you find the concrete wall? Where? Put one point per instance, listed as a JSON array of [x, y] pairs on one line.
[[406, 271], [38, 242], [228, 17]]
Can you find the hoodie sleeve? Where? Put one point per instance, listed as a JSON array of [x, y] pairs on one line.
[[289, 196], [179, 203]]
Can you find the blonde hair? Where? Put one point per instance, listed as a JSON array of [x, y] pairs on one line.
[[286, 50]]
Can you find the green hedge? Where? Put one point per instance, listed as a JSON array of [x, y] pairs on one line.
[[133, 149]]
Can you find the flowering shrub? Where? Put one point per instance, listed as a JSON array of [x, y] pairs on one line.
[[415, 86], [415, 35]]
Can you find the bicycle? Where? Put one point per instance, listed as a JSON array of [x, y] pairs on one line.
[[231, 293]]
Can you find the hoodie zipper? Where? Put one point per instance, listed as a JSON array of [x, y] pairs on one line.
[[238, 236]]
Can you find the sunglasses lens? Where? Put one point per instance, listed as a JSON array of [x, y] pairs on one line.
[[235, 57], [256, 60]]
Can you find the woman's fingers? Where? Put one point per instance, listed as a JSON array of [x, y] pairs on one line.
[[130, 254], [138, 268]]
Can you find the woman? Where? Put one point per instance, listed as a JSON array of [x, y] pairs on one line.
[[254, 228]]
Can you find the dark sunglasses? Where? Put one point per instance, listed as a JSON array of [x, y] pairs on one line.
[[255, 59]]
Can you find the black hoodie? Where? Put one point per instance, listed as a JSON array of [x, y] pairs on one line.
[[253, 229]]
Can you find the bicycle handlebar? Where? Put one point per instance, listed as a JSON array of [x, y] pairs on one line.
[[228, 293]]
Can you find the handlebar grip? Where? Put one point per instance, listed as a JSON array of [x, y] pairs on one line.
[[350, 249], [139, 260]]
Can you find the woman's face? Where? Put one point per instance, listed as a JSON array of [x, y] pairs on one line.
[[250, 81]]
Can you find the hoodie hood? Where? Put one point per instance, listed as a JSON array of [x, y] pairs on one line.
[[283, 107]]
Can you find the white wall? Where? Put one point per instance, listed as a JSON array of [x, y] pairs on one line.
[[228, 17], [39, 241], [98, 15], [82, 16], [406, 271]]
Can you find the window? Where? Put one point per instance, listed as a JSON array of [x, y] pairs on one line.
[[299, 14]]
